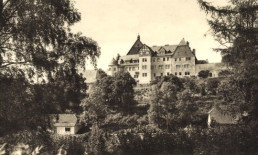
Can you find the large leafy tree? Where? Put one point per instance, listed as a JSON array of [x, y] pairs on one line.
[[37, 32], [162, 105], [108, 93], [235, 27], [40, 55]]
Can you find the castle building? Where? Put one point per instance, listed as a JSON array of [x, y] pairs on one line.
[[145, 63]]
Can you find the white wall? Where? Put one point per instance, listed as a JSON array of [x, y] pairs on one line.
[[61, 130]]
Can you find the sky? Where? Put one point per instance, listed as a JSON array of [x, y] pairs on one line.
[[115, 24]]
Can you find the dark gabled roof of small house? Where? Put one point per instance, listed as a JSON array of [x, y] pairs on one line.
[[66, 120], [221, 116], [136, 47]]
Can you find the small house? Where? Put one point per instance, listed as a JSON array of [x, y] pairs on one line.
[[67, 124], [222, 117]]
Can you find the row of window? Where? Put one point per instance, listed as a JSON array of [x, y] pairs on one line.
[[144, 59], [144, 67], [158, 59], [161, 74], [179, 73], [165, 59], [182, 66], [131, 68], [160, 67], [179, 59]]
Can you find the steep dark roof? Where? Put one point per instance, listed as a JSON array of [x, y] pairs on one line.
[[182, 42], [223, 117], [144, 46], [183, 51], [66, 120], [136, 47], [170, 48]]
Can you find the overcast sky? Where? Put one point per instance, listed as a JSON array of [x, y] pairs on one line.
[[115, 24]]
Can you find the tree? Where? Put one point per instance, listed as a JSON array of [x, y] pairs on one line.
[[204, 74], [37, 32], [108, 93], [191, 85], [162, 105], [235, 27], [224, 73], [94, 108], [171, 79], [186, 109], [96, 141], [39, 61], [123, 89], [212, 85]]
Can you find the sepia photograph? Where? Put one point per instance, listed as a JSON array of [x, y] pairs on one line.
[[128, 77]]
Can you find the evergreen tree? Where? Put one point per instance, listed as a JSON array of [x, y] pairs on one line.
[[235, 27]]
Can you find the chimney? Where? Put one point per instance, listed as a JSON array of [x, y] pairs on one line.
[[194, 51], [187, 43], [167, 45]]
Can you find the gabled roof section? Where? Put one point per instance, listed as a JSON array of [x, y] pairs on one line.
[[66, 120], [183, 51], [223, 117], [136, 47], [182, 42], [168, 48], [145, 48]]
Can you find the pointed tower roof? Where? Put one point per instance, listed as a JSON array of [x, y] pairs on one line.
[[182, 42], [113, 62], [136, 46]]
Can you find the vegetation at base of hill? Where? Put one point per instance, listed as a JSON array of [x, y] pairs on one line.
[[169, 119], [204, 73]]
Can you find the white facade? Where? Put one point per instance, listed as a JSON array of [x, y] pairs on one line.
[[67, 130], [145, 63]]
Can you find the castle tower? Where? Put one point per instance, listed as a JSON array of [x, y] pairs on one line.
[[112, 67]]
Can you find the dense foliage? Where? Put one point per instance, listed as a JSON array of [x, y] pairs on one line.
[[235, 27], [169, 117]]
